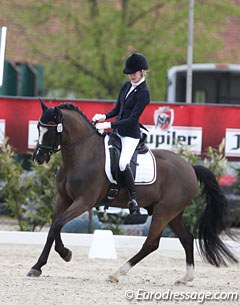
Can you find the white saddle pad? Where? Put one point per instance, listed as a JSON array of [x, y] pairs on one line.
[[145, 170]]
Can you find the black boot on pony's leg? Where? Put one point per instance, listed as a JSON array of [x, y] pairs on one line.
[[129, 180]]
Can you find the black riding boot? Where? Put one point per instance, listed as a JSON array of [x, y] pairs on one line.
[[129, 180]]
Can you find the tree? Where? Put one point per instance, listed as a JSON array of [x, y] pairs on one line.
[[83, 44]]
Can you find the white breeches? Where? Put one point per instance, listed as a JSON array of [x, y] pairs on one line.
[[128, 147]]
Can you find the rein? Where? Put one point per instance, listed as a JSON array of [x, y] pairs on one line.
[[57, 146]]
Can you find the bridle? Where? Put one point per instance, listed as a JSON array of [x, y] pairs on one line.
[[48, 150], [56, 122]]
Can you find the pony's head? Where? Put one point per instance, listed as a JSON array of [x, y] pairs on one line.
[[49, 133]]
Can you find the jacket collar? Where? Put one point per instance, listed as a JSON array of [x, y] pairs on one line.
[[139, 82], [131, 94], [140, 86]]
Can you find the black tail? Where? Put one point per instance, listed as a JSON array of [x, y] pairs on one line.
[[213, 220]]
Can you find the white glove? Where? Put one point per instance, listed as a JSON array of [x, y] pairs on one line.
[[102, 126], [99, 117]]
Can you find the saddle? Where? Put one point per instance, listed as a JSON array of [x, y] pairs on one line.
[[115, 146]]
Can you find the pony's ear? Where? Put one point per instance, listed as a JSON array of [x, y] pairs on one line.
[[44, 107], [57, 114]]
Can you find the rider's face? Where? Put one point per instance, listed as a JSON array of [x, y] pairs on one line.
[[135, 77]]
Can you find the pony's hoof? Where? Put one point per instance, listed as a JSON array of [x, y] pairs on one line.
[[113, 279], [34, 273], [180, 282], [184, 281], [68, 257]]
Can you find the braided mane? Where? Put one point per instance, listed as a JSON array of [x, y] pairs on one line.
[[69, 106]]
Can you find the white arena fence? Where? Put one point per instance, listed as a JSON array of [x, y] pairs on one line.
[[85, 240]]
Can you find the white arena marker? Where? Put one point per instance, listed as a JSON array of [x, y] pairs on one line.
[[103, 245]]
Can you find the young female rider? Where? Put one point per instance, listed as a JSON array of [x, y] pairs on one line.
[[132, 100]]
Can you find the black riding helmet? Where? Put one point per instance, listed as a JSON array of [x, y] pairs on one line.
[[135, 62]]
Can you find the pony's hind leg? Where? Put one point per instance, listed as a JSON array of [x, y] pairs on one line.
[[186, 239], [151, 244]]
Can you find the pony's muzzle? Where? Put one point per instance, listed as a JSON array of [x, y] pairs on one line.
[[39, 157]]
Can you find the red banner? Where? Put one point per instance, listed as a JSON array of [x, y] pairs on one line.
[[197, 126]]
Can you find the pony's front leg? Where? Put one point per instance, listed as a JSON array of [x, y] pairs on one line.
[[64, 252], [61, 204], [75, 209], [36, 271]]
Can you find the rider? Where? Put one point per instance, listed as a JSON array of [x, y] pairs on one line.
[[132, 100]]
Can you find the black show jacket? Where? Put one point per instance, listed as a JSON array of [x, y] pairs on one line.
[[128, 110]]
